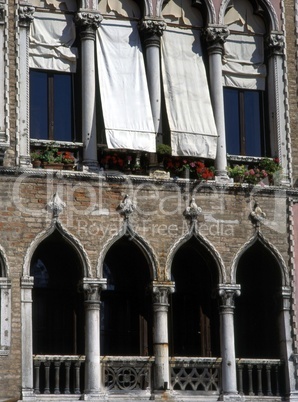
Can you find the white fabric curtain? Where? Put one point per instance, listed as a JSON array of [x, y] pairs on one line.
[[51, 38], [243, 62], [187, 97], [123, 87]]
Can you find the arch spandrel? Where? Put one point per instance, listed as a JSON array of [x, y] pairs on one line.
[[258, 237], [69, 238]]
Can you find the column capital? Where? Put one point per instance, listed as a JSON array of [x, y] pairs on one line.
[[152, 26], [26, 12], [27, 282], [227, 294], [275, 43], [88, 22], [216, 36], [92, 289], [161, 292]]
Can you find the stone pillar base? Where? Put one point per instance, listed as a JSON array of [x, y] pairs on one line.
[[224, 179], [97, 396], [232, 398]]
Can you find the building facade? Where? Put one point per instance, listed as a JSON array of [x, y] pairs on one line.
[[157, 258]]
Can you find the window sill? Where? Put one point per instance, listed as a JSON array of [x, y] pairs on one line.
[[58, 144]]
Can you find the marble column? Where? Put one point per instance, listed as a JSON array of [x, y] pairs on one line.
[[279, 142], [27, 283], [161, 293], [216, 36], [88, 22], [92, 289], [286, 343], [26, 12], [152, 30], [227, 295]]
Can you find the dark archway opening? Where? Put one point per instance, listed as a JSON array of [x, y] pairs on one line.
[[257, 309], [126, 310], [194, 318], [58, 307]]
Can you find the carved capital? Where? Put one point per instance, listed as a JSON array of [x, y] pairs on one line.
[[92, 289], [151, 27], [2, 14], [161, 292], [27, 282], [275, 43], [26, 15], [227, 294], [216, 36], [88, 23]]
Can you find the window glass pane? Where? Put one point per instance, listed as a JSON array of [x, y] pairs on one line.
[[38, 105], [231, 104], [63, 107], [252, 121]]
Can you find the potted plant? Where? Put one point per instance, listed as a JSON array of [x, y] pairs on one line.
[[162, 151], [36, 158], [52, 158], [68, 160]]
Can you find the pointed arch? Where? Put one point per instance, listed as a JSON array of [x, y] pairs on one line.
[[205, 243], [127, 230], [4, 267], [270, 14], [68, 237], [207, 4], [258, 237]]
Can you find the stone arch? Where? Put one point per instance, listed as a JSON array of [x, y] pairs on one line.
[[209, 10], [262, 7], [258, 237], [4, 267], [139, 242], [69, 238], [205, 244]]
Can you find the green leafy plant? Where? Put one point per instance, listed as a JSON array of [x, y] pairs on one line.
[[51, 155], [265, 170], [163, 149]]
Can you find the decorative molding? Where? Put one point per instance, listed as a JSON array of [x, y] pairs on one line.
[[72, 240], [161, 292], [92, 289], [88, 23], [128, 231], [216, 36], [192, 212], [275, 43], [258, 236], [152, 27], [26, 15], [257, 216], [227, 294], [205, 243], [126, 207], [56, 206]]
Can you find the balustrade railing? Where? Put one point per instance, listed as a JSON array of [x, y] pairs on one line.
[[129, 373], [260, 377], [196, 374], [55, 374]]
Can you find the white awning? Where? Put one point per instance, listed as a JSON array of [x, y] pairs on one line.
[[187, 97], [50, 41], [243, 62], [123, 87]]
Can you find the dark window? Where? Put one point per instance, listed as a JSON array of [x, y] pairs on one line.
[[51, 106], [245, 124]]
